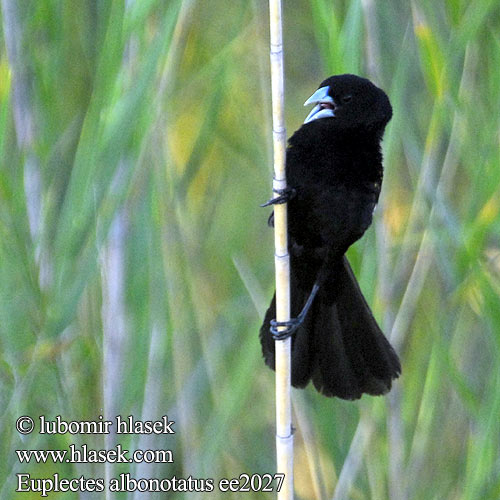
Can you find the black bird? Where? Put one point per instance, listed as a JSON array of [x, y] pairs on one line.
[[334, 173]]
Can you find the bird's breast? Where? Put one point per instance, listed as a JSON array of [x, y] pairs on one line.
[[331, 216]]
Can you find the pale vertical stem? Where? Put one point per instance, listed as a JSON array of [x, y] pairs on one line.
[[311, 446], [151, 407], [114, 320], [396, 485], [371, 42], [284, 436], [21, 95], [24, 122], [354, 459], [172, 250], [114, 326]]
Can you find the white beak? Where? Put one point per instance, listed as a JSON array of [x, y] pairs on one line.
[[320, 97]]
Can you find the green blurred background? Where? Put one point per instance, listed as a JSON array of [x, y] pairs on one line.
[[135, 262]]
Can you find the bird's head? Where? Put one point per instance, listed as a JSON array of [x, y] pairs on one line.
[[352, 102]]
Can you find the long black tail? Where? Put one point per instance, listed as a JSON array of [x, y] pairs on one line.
[[339, 346]]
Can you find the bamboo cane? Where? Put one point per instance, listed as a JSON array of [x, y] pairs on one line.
[[284, 436]]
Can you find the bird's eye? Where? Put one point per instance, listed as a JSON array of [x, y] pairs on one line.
[[346, 98]]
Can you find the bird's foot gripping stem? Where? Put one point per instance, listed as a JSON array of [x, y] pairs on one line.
[[285, 195], [290, 325], [294, 323]]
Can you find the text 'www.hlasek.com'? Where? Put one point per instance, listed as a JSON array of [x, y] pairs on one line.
[[85, 453]]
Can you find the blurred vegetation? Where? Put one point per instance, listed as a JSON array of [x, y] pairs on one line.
[[135, 262]]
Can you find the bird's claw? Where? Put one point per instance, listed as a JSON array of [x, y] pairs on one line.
[[290, 325], [284, 196]]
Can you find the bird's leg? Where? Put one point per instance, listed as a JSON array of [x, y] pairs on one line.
[[293, 323], [285, 195]]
